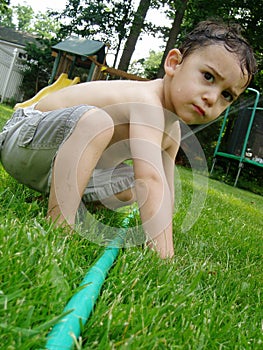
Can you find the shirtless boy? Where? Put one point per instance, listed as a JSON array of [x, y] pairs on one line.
[[55, 145]]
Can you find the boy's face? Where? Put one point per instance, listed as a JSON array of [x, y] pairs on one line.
[[204, 84]]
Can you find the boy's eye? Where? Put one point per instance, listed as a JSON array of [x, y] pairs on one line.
[[209, 77], [227, 96]]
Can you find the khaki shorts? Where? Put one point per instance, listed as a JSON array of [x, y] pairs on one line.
[[30, 141]]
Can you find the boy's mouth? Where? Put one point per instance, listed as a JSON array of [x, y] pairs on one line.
[[199, 110]]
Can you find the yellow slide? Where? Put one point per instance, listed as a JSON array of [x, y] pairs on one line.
[[60, 83]]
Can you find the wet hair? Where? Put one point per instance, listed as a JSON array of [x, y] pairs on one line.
[[229, 35]]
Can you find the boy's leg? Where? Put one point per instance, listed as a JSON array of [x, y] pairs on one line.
[[75, 162], [118, 200], [111, 187]]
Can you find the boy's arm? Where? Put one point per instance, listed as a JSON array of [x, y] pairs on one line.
[[169, 155], [152, 188], [168, 158]]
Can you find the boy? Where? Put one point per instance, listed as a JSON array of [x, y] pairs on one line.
[[55, 145]]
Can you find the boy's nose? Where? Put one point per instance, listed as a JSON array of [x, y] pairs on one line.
[[211, 96]]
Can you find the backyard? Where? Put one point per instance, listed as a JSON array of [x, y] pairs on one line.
[[209, 296]]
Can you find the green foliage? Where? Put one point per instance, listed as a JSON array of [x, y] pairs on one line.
[[39, 61], [100, 20], [24, 17], [4, 6], [40, 24], [147, 67], [45, 27], [39, 64], [6, 15]]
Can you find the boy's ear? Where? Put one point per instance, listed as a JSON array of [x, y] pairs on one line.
[[173, 59]]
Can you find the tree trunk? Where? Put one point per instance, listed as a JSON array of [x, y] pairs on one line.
[[173, 35], [117, 52], [122, 30], [134, 34]]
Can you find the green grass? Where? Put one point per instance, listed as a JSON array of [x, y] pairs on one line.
[[209, 296]]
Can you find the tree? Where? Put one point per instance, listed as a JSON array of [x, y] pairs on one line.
[[107, 21], [111, 21], [6, 14], [135, 31], [45, 27], [39, 64], [122, 21], [250, 17], [4, 6], [147, 67], [180, 10], [24, 17], [87, 18]]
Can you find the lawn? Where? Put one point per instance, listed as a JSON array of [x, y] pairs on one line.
[[209, 296]]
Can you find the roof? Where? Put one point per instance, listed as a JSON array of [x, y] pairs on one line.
[[81, 47], [13, 36]]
